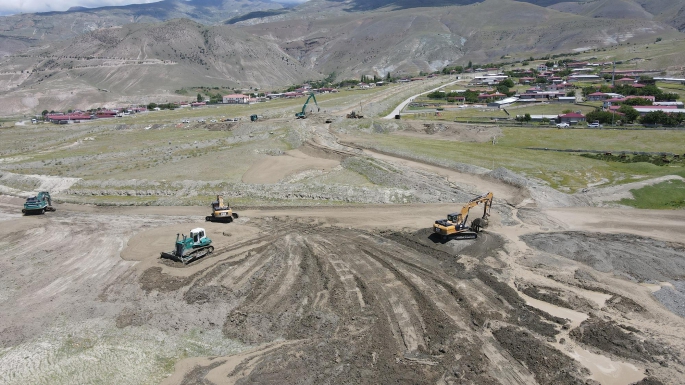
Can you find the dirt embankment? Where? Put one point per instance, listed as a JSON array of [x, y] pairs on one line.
[[368, 308]]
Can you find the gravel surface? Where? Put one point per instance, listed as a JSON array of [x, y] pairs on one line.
[[673, 297]]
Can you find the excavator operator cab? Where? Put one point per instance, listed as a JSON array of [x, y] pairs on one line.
[[454, 218]]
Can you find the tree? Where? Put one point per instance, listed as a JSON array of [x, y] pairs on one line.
[[629, 113], [507, 83], [152, 106], [527, 118], [602, 117], [388, 77], [663, 118], [199, 98], [637, 102], [45, 112], [470, 64]]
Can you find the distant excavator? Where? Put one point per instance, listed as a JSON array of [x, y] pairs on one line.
[[221, 211], [455, 226], [38, 204], [303, 114]]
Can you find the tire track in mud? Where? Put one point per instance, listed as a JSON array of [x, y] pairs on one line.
[[367, 308]]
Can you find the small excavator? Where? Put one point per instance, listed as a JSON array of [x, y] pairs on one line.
[[190, 248], [38, 204], [221, 212], [303, 114], [455, 226]]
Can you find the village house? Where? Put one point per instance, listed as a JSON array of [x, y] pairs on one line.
[[597, 97], [236, 99], [571, 118]]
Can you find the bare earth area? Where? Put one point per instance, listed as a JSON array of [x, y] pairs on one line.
[[355, 291]]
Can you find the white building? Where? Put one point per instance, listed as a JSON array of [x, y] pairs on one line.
[[236, 99]]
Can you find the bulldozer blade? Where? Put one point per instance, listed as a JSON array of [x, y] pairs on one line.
[[171, 256]]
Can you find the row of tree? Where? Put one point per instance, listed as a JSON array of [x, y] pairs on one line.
[[628, 114]]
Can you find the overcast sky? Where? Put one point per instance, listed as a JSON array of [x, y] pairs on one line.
[[10, 7]]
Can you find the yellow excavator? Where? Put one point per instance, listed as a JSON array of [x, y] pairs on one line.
[[221, 212], [455, 226]]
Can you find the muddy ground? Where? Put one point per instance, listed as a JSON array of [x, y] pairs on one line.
[[553, 292], [292, 299]]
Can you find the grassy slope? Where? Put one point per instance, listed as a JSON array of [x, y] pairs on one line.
[[665, 195], [564, 171]]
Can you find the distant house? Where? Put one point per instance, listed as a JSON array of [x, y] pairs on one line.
[[566, 99], [198, 104], [65, 118], [526, 80], [503, 102], [624, 81], [571, 118], [584, 78], [236, 99], [597, 97]]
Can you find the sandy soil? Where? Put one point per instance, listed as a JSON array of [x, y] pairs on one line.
[[357, 294], [274, 169]]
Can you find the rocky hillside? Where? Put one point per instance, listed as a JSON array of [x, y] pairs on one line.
[[671, 12], [37, 28], [140, 63], [275, 48]]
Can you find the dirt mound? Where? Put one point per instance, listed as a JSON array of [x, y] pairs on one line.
[[360, 308], [25, 185], [637, 258], [223, 126], [451, 131], [549, 367], [619, 340]]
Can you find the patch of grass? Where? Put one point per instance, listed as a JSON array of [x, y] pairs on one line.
[[600, 140], [664, 195], [567, 172]]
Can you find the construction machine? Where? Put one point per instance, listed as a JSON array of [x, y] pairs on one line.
[[455, 226], [38, 204], [303, 114], [354, 115], [190, 248], [221, 211]]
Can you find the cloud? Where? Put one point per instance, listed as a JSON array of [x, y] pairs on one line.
[[10, 7]]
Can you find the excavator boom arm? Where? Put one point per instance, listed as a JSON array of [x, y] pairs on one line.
[[486, 199], [304, 107]]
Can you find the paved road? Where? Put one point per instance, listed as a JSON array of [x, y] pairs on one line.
[[399, 108]]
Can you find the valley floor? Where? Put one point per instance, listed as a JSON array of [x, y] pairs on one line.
[[332, 274]]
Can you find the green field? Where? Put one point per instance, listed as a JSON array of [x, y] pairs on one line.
[[665, 195], [567, 172]]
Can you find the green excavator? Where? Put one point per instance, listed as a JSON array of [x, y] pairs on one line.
[[303, 114], [38, 204], [190, 248]]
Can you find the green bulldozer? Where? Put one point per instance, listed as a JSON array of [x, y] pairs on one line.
[[38, 204], [190, 248]]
